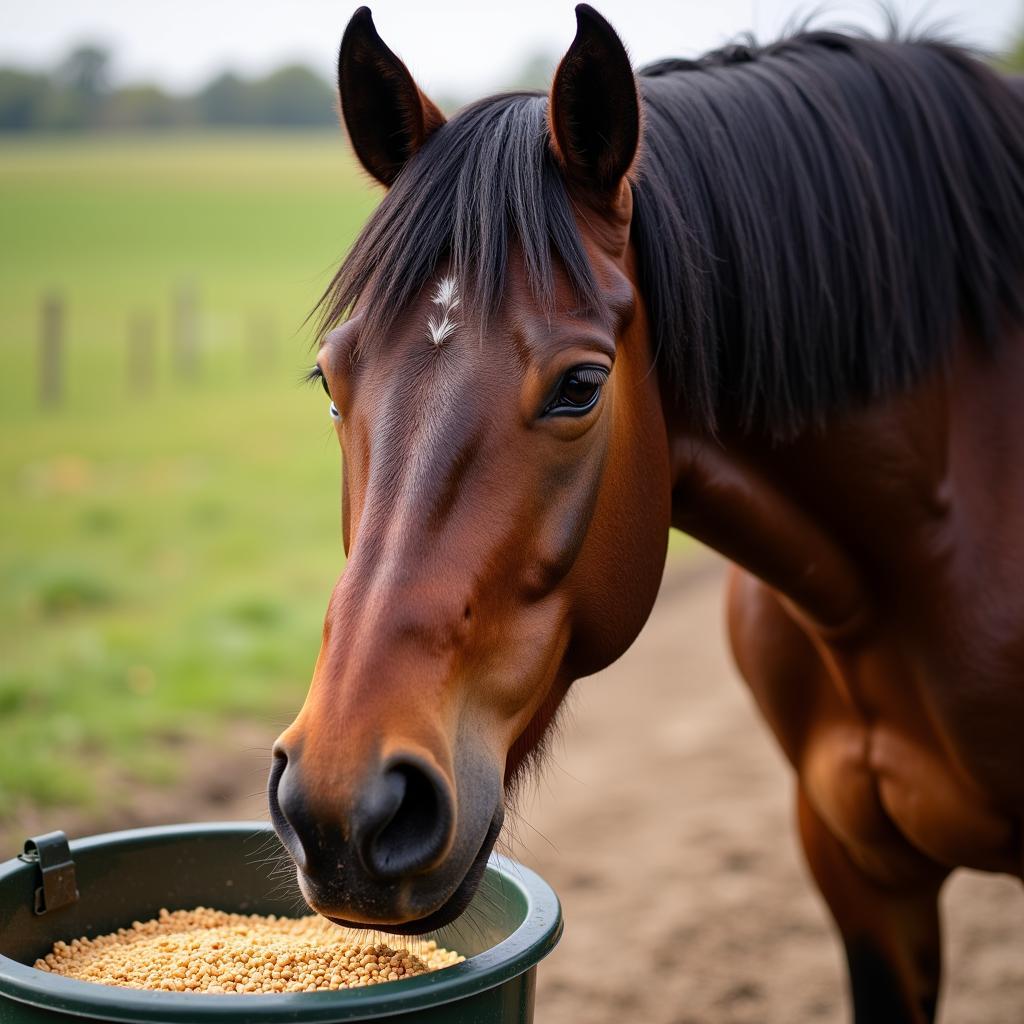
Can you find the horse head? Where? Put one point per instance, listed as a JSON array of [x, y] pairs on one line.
[[505, 499]]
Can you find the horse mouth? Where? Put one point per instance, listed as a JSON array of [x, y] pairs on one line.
[[453, 906]]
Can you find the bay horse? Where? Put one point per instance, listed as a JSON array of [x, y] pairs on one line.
[[772, 298]]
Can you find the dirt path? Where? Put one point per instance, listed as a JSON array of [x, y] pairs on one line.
[[668, 826], [664, 824]]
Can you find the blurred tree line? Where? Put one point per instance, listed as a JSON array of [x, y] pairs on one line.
[[1014, 59], [77, 95]]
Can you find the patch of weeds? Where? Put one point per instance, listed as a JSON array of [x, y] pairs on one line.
[[45, 783], [257, 612], [15, 695], [64, 593], [100, 520]]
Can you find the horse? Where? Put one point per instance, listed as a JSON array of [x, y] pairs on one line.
[[770, 297]]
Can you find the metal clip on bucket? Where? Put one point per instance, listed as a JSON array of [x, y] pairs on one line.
[[57, 886]]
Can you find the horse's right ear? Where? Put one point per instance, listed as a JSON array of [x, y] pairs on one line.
[[386, 115]]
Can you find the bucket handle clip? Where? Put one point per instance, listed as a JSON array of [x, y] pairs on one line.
[[58, 886]]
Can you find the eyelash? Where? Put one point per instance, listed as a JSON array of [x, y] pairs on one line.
[[314, 375]]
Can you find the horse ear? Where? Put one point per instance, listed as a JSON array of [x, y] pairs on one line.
[[386, 115], [594, 107]]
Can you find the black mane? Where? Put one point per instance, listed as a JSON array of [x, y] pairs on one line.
[[815, 220]]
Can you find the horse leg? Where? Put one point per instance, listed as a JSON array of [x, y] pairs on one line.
[[890, 932], [890, 928]]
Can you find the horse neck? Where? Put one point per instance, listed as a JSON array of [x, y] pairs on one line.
[[819, 516]]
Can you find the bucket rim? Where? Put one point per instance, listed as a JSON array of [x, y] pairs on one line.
[[517, 953]]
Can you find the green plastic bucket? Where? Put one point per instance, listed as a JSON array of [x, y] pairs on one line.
[[126, 876]]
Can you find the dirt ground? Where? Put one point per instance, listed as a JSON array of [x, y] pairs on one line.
[[664, 823]]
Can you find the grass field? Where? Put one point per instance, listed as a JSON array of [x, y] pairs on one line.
[[165, 557]]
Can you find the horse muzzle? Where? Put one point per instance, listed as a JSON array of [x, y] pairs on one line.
[[399, 853]]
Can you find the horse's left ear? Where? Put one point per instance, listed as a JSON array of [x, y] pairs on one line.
[[386, 115], [594, 107]]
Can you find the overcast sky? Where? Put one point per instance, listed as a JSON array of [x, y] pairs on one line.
[[451, 46]]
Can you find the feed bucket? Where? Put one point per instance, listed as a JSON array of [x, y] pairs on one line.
[[96, 885]]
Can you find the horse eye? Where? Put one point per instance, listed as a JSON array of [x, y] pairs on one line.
[[335, 415], [578, 391]]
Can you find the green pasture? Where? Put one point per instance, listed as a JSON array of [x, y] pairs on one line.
[[165, 554]]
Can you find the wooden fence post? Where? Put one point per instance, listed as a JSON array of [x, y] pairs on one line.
[[51, 351], [141, 354], [185, 332]]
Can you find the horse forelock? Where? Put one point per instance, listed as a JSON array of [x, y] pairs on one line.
[[483, 184]]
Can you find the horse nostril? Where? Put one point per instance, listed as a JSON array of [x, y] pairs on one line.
[[403, 823], [285, 811], [277, 767]]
